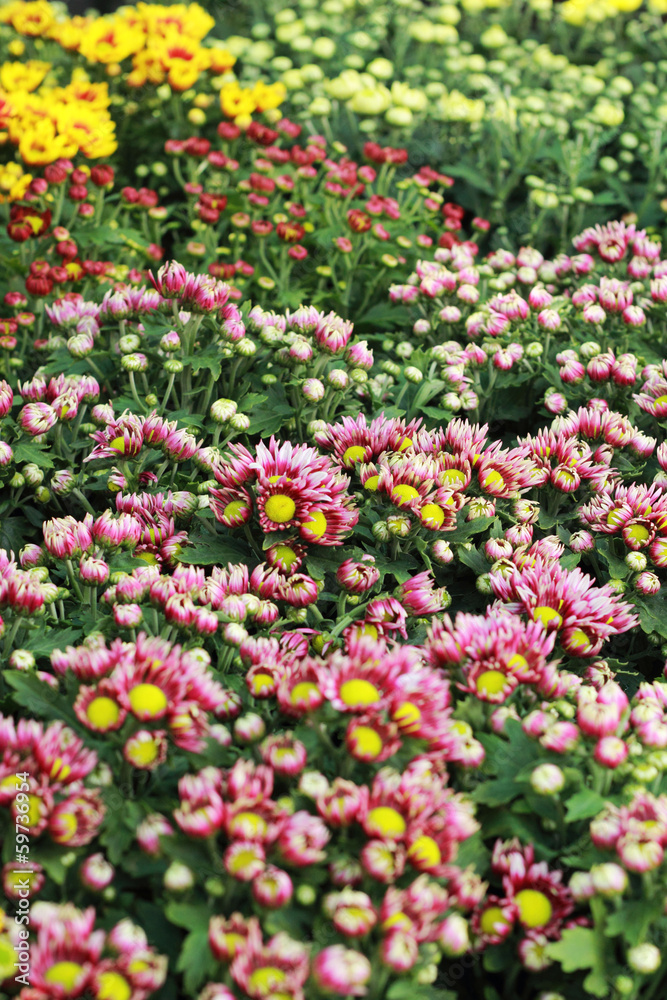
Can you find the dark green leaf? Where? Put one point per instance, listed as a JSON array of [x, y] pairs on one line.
[[583, 805]]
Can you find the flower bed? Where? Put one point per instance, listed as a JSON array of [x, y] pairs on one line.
[[333, 511]]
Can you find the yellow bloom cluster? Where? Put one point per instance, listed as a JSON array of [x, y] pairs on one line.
[[239, 102], [51, 121], [580, 12]]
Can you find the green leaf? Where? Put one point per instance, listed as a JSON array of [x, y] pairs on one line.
[[474, 559], [214, 552], [40, 698], [193, 916], [583, 805], [633, 919], [578, 948], [28, 451], [496, 793], [196, 960], [43, 643], [473, 176]]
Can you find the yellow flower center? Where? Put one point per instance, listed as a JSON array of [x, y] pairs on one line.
[[118, 444], [65, 974], [386, 822], [547, 616], [148, 700], [614, 518], [241, 860], [260, 682], [405, 444], [113, 986], [493, 479], [102, 713], [491, 682], [453, 477], [359, 693], [265, 980], [661, 400], [372, 483], [315, 524], [355, 453], [402, 493], [517, 662], [34, 814], [247, 824], [424, 851], [233, 942], [580, 638], [534, 908], [432, 515], [301, 692], [638, 533], [286, 555], [234, 509], [143, 753], [401, 920], [492, 918], [367, 742], [407, 716], [280, 508], [60, 770]]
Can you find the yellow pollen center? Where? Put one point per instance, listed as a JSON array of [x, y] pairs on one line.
[[407, 716], [118, 444], [65, 974], [402, 493], [144, 753], [491, 919], [614, 518], [301, 693], [661, 400], [491, 682], [233, 942], [401, 920], [452, 477], [34, 814], [113, 986], [386, 822], [280, 508], [260, 682], [432, 515], [580, 638], [372, 483], [315, 524], [247, 824], [493, 478], [102, 713], [235, 509], [534, 908], [517, 662], [358, 693], [355, 453], [405, 444], [547, 616], [266, 979], [638, 533], [286, 555], [367, 742], [148, 701], [242, 860], [424, 851]]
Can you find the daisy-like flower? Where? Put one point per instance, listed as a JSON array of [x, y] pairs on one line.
[[566, 601], [354, 440], [491, 655], [123, 437]]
